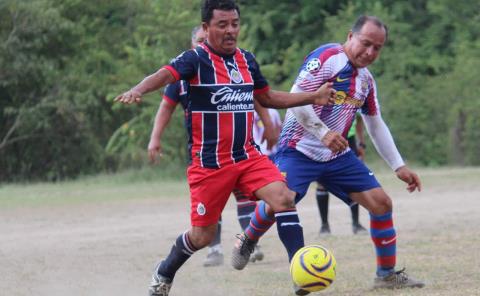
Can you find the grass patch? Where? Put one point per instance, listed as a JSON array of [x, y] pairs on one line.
[[147, 182]]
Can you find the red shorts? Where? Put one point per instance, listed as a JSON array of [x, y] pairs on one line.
[[211, 188]]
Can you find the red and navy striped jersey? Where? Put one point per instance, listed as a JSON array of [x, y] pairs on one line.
[[219, 105], [177, 93]]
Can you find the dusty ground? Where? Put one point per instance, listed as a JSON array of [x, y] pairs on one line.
[[109, 247]]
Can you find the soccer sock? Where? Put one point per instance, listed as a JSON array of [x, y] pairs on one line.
[[179, 254], [290, 231], [322, 202], [245, 208], [218, 235], [385, 241], [259, 223], [354, 210]]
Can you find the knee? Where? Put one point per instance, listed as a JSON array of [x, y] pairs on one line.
[[201, 237], [285, 200], [383, 205]]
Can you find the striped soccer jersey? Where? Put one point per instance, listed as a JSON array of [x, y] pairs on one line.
[[219, 109], [177, 93], [355, 88]]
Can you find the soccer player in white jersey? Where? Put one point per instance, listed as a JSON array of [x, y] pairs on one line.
[[312, 146]]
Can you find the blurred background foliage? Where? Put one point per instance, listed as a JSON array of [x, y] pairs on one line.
[[63, 61]]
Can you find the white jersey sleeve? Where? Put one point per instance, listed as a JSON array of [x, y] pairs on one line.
[[383, 141], [306, 116]]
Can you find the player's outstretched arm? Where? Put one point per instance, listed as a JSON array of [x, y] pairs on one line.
[[162, 119], [150, 83], [410, 177], [324, 95]]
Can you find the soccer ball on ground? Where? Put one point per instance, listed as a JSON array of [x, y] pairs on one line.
[[313, 268]]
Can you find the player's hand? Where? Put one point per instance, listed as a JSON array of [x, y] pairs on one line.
[[129, 97], [270, 134], [335, 141], [410, 177], [154, 150], [325, 94]]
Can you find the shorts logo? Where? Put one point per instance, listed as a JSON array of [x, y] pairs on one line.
[[313, 65], [201, 209]]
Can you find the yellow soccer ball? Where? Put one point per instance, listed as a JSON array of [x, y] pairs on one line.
[[313, 268]]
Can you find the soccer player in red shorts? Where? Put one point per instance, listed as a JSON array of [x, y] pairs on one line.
[[265, 136], [224, 81]]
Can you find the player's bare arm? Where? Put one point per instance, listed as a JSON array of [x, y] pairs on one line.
[[324, 95], [162, 119], [410, 177], [150, 83]]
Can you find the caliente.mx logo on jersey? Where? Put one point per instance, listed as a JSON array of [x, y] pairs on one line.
[[228, 99]]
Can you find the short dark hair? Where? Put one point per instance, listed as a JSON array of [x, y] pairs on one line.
[[363, 19], [209, 5]]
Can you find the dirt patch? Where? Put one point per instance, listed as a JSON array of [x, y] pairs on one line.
[[110, 248]]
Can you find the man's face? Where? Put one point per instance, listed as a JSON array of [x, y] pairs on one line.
[[363, 48], [199, 37], [222, 31]]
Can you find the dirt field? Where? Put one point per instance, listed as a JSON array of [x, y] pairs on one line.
[[96, 247]]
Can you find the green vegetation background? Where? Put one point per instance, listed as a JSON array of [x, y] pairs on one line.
[[63, 61]]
